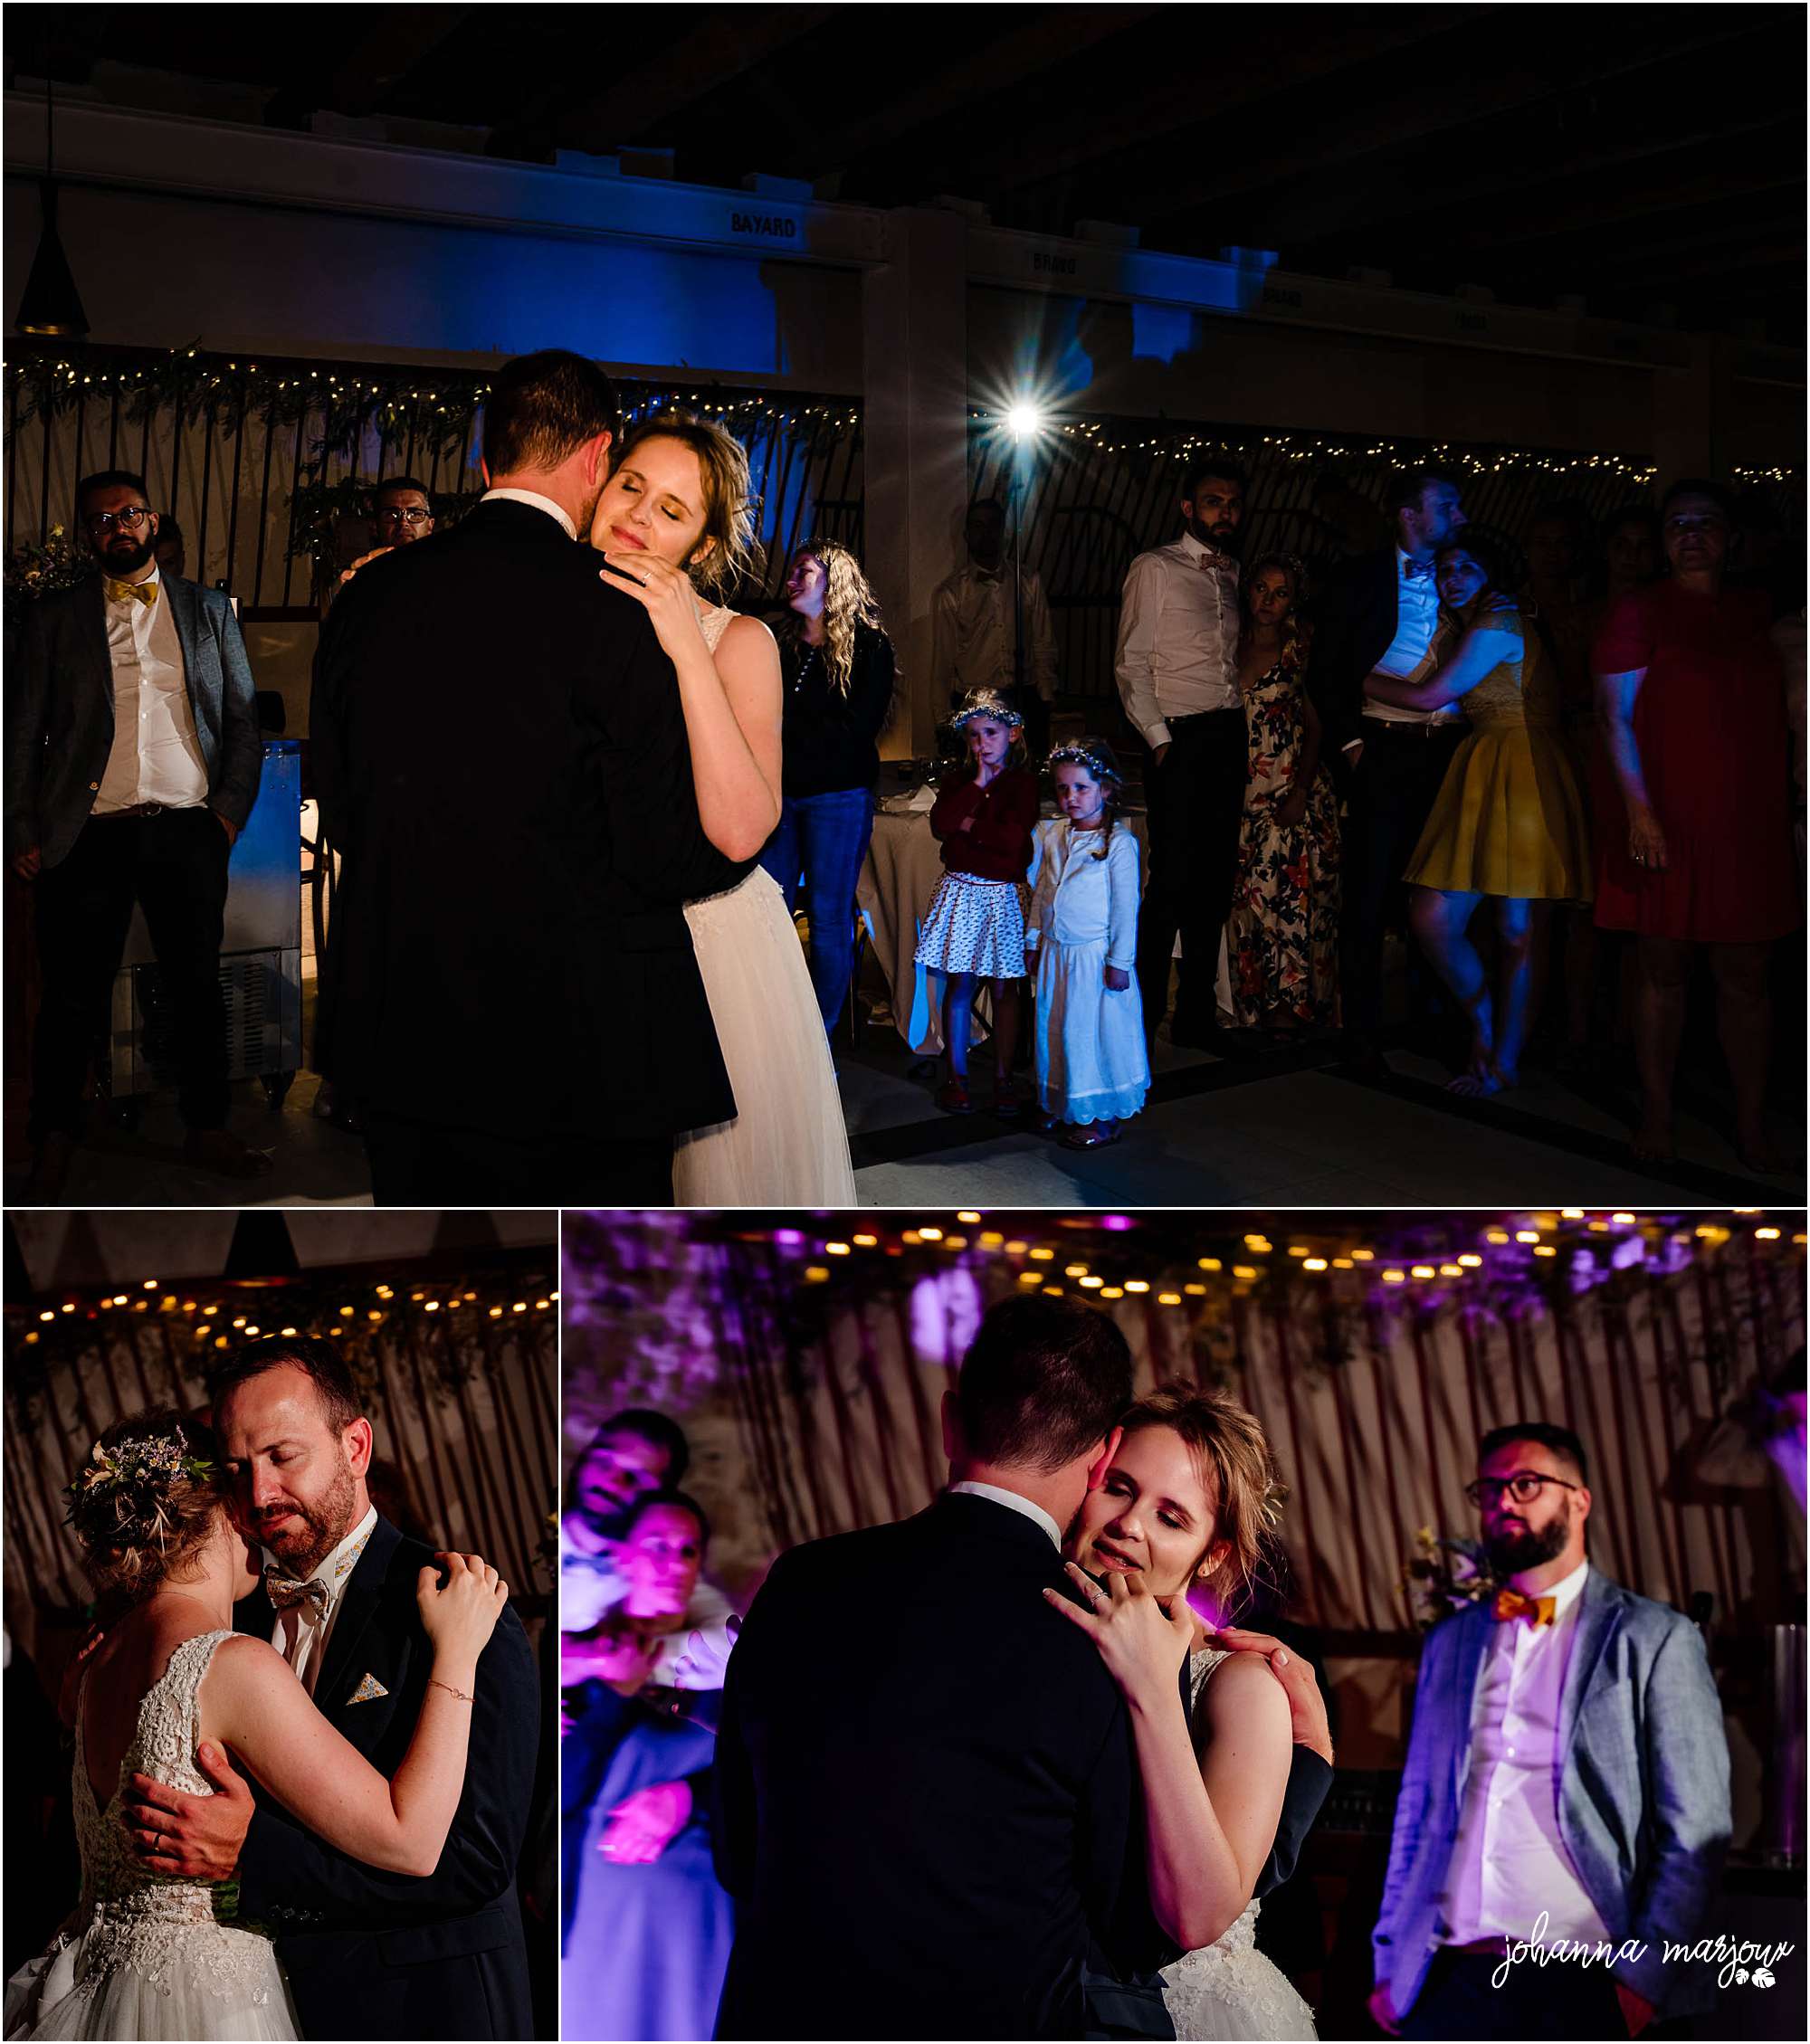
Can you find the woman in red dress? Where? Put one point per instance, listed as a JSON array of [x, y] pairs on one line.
[[1692, 709]]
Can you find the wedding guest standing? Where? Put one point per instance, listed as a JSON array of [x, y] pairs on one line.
[[838, 670], [401, 512], [1377, 616], [976, 613], [973, 928], [648, 1927], [1092, 1067], [1508, 824], [1700, 856], [132, 762], [1282, 935], [1566, 1764]]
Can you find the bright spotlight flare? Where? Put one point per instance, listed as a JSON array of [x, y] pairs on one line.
[[1024, 420]]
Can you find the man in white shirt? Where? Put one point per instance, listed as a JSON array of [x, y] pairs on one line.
[[1379, 615], [1177, 666], [974, 616], [1567, 1781], [133, 760]]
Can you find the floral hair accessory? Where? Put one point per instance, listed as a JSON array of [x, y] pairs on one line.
[[987, 702], [1079, 755], [131, 1481]]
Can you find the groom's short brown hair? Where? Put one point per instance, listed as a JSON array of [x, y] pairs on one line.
[[542, 407], [333, 1380], [1044, 1379]]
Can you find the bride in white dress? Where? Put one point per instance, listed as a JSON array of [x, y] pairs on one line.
[[1185, 1501], [144, 1954], [675, 518]]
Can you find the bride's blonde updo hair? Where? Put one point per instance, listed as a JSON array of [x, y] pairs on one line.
[[729, 493], [144, 1502], [1231, 1455]]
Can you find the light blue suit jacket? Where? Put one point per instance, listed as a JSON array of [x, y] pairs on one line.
[[1643, 1792]]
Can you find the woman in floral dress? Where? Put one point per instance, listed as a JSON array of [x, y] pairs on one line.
[[1282, 935]]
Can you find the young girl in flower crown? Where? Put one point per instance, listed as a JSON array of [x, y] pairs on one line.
[[1093, 1069], [974, 927]]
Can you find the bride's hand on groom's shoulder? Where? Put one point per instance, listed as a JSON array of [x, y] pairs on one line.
[[663, 591], [1307, 1723], [460, 1613], [1142, 1645]]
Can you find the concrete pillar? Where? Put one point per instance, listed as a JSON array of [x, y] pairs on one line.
[[914, 442]]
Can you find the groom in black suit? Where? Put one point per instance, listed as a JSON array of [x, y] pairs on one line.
[[369, 1954], [942, 1834], [510, 994]]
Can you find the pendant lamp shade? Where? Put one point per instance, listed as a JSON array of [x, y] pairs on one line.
[[50, 303]]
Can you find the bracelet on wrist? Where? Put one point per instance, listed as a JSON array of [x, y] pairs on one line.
[[464, 1696]]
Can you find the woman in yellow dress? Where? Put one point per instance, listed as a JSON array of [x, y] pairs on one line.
[[1509, 821]]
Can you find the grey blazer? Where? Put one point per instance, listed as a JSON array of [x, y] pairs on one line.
[[1643, 1792], [59, 710]]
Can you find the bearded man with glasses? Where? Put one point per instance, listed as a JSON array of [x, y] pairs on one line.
[[1567, 1779], [132, 764]]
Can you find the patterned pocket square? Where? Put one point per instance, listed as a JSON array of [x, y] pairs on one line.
[[367, 1691]]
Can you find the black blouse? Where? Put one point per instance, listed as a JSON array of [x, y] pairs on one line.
[[831, 740]]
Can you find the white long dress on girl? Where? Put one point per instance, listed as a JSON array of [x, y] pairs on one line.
[[144, 1955], [787, 1145], [1228, 1991], [1091, 1063]]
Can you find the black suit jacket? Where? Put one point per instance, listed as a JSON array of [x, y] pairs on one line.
[[1354, 624], [374, 1954], [934, 1837], [500, 755], [59, 709]]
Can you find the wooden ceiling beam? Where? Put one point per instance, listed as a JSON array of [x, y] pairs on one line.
[[1061, 144], [1418, 114], [391, 45], [1013, 60]]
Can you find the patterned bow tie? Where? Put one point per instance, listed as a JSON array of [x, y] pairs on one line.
[[145, 593], [1536, 1611], [286, 1592], [1417, 571]]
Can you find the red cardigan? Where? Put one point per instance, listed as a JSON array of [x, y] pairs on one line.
[[1004, 813]]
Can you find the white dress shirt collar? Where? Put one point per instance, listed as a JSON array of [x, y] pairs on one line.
[[539, 502], [338, 1566], [1013, 1502], [1197, 550], [1566, 1590]]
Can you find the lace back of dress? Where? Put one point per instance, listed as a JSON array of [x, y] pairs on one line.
[[1201, 1664], [163, 1746]]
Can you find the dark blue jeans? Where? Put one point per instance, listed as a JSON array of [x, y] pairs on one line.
[[823, 838]]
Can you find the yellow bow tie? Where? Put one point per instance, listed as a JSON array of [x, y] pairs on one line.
[[1536, 1611], [145, 592]]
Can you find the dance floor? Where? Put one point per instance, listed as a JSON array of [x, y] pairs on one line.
[[1282, 1130]]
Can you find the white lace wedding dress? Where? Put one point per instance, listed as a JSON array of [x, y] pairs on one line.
[[788, 1144], [1229, 1990], [143, 1955]]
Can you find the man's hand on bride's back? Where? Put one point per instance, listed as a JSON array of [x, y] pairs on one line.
[[460, 1612], [1307, 1707], [190, 1837]]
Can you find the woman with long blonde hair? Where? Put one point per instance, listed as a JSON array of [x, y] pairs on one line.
[[838, 673], [673, 525]]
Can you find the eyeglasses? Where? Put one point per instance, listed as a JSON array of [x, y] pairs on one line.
[[394, 515], [1523, 1486], [128, 520]]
